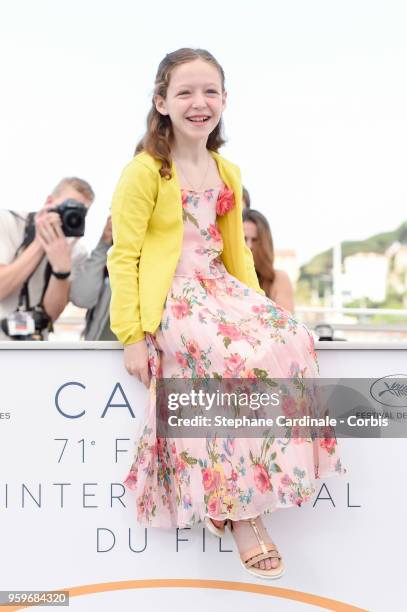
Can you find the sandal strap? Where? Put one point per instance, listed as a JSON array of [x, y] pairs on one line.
[[262, 544], [253, 555], [262, 551], [254, 560]]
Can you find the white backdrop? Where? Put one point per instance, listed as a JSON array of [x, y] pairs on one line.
[[349, 548]]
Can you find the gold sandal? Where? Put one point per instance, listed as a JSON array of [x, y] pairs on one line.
[[259, 553]]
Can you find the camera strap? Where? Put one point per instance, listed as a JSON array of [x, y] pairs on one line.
[[29, 235], [29, 230]]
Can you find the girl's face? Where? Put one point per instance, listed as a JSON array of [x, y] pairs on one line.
[[250, 233], [194, 100]]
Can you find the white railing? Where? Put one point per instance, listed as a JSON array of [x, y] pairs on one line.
[[71, 326], [359, 329], [360, 311]]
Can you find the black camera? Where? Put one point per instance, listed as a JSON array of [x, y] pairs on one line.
[[26, 324], [72, 215]]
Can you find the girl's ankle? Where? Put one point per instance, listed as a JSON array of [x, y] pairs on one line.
[[218, 523]]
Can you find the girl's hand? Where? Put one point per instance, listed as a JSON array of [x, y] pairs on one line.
[[136, 361]]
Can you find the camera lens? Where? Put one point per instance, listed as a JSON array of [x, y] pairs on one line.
[[73, 215], [73, 220]]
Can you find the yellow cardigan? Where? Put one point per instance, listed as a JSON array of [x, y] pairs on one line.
[[147, 242]]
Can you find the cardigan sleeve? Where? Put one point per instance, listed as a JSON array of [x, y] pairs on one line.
[[132, 206]]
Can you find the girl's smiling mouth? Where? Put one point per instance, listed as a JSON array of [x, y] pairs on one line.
[[198, 118]]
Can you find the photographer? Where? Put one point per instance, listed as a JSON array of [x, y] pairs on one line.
[[38, 260], [91, 289]]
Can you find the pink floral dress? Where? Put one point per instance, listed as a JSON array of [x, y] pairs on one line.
[[215, 326]]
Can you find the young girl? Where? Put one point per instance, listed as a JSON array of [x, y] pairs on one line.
[[186, 303], [276, 283]]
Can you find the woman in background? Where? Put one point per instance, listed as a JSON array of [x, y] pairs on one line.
[[275, 283]]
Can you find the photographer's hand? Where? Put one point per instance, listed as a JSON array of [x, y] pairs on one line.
[[107, 231], [48, 232]]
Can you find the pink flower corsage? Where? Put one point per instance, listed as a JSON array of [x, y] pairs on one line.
[[226, 201]]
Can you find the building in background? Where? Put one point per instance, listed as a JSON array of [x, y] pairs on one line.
[[397, 280], [365, 276]]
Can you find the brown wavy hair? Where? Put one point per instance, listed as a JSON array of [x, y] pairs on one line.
[[159, 135], [263, 250]]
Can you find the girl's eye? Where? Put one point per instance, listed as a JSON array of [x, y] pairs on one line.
[[185, 93]]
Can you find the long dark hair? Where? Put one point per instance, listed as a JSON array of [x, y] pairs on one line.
[[158, 137], [263, 250]]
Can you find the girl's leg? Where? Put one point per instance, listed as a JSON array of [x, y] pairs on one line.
[[218, 524]]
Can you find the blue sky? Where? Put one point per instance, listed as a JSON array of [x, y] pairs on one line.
[[316, 116]]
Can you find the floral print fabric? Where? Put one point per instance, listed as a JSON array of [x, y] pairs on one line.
[[215, 326]]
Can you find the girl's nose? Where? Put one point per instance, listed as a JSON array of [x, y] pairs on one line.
[[198, 101]]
